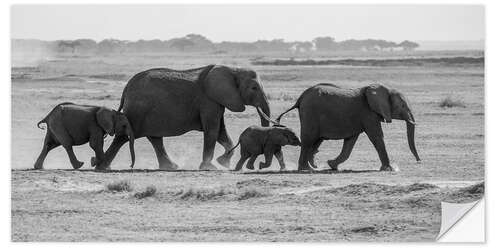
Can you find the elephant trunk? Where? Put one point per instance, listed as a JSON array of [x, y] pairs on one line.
[[264, 113], [410, 132], [131, 138]]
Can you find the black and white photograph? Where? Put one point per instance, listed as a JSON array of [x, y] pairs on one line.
[[244, 122]]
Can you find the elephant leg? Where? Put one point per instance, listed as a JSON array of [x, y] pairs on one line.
[[96, 143], [268, 156], [72, 157], [376, 136], [244, 156], [315, 150], [306, 150], [164, 161], [227, 143], [211, 129], [48, 144], [113, 149], [251, 162], [344, 154], [279, 155]]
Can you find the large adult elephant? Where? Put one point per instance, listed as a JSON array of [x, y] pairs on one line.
[[328, 112], [165, 102]]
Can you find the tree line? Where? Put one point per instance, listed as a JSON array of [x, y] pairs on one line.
[[199, 43]]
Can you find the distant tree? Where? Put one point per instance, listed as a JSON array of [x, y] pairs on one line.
[[63, 45], [301, 47], [324, 43], [107, 46], [181, 43], [236, 46], [86, 45], [408, 45]]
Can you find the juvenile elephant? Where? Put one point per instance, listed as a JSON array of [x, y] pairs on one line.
[[69, 124], [327, 111], [164, 102], [256, 140]]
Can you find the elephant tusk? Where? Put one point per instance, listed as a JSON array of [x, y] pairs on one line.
[[267, 117]]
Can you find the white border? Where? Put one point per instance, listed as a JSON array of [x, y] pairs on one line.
[[492, 80]]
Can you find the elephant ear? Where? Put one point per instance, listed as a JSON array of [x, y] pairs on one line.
[[221, 85], [105, 119], [379, 100]]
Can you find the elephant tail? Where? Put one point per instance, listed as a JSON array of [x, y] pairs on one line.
[[231, 150], [40, 122], [121, 103], [44, 120], [288, 110], [296, 105]]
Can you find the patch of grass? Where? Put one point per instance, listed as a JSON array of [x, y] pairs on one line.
[[150, 191], [467, 194], [250, 193], [451, 102], [375, 188], [120, 186], [203, 194]]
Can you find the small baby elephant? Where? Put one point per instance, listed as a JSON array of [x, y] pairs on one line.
[[69, 124], [256, 140]]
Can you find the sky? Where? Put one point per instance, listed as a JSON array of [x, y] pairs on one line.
[[249, 22]]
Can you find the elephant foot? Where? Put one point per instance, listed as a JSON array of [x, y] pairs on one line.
[[305, 168], [224, 160], [262, 165], [38, 166], [313, 164], [77, 165], [389, 168], [168, 166], [100, 166], [282, 169], [207, 166], [333, 165], [94, 162]]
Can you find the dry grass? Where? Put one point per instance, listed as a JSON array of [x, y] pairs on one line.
[[120, 186], [149, 192], [251, 193], [203, 194]]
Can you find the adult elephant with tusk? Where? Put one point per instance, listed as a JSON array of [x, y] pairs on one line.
[[328, 112], [164, 102]]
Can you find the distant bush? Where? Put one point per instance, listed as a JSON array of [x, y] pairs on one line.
[[450, 102], [150, 191], [120, 186]]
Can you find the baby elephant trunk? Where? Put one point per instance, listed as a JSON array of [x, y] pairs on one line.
[[131, 138]]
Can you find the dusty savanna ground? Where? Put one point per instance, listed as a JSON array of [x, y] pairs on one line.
[[357, 203]]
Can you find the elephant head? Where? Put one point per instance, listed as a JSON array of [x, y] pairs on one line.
[[280, 135], [114, 122], [234, 88], [391, 104]]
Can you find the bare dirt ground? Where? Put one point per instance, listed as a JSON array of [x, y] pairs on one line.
[[358, 203]]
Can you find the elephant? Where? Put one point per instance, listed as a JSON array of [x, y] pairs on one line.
[[256, 140], [329, 112], [163, 102], [69, 124]]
